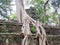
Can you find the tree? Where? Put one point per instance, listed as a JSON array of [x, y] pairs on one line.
[[45, 10], [5, 7], [42, 8], [55, 4], [19, 3]]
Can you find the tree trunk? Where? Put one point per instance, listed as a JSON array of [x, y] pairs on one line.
[[19, 11], [46, 2]]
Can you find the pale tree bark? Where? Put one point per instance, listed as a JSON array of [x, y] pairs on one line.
[[26, 20], [19, 11], [7, 42], [45, 3]]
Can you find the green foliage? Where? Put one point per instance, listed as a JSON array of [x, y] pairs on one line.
[[17, 38], [38, 4], [1, 39], [14, 16], [4, 29], [54, 17], [4, 7], [55, 4], [33, 29]]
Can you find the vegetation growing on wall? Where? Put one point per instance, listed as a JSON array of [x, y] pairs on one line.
[[4, 29]]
